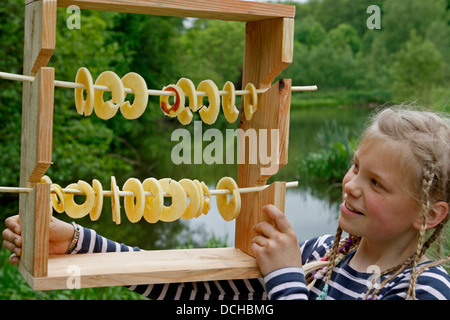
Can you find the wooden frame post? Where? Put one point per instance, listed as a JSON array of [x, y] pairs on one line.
[[268, 50], [37, 136]]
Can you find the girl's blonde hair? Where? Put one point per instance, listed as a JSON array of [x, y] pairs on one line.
[[424, 139]]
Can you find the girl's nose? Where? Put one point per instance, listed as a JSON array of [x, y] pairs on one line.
[[351, 186]]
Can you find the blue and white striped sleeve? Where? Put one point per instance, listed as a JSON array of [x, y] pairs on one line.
[[241, 289], [91, 242], [286, 284]]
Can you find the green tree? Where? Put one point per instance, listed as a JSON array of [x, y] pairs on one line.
[[345, 35], [438, 33], [309, 31], [417, 68], [213, 49]]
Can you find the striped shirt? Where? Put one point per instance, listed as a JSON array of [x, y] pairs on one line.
[[286, 283]]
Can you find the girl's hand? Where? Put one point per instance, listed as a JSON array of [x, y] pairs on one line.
[[60, 237], [275, 246]]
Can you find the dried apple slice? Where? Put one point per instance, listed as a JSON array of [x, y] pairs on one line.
[[209, 114], [134, 210], [193, 193], [98, 204], [229, 209], [188, 88], [207, 201], [179, 200], [75, 210], [57, 198], [178, 105], [136, 83], [202, 198], [153, 204], [250, 101], [84, 106], [185, 116], [115, 201], [107, 109], [229, 102], [57, 195]]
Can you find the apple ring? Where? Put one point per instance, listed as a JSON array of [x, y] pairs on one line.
[[84, 106], [153, 204], [57, 196], [135, 82], [75, 210], [115, 201], [179, 200], [185, 116], [250, 101], [229, 102], [178, 105], [98, 205], [134, 211], [188, 88], [46, 179], [209, 114], [106, 110], [229, 209], [193, 193], [207, 201], [202, 198]]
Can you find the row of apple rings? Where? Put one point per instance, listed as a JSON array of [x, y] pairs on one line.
[[94, 100], [147, 199]]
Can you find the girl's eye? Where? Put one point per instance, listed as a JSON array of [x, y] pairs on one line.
[[376, 183]]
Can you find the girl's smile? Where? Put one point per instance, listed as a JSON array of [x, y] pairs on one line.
[[346, 208]]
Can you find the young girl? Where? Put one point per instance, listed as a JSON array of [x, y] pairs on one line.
[[396, 190]]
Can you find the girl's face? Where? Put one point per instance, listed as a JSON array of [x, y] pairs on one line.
[[376, 202]]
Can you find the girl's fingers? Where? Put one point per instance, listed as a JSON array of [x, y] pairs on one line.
[[265, 228], [281, 222], [13, 224], [260, 240], [13, 238], [9, 245], [13, 259]]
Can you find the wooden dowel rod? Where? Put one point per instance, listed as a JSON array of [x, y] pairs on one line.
[[15, 190], [303, 88], [108, 193], [151, 92]]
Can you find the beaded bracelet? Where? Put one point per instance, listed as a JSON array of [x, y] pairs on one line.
[[75, 238]]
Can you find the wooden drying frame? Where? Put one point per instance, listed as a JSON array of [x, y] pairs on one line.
[[268, 50]]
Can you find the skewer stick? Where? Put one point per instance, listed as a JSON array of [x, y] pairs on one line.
[[151, 92], [108, 193]]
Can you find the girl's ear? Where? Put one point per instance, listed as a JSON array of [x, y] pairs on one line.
[[436, 214]]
